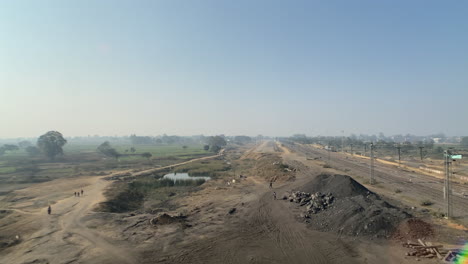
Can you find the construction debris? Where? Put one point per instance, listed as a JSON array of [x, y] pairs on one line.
[[337, 203], [423, 249], [314, 203]]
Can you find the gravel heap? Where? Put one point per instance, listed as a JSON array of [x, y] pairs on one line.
[[314, 203], [340, 204]]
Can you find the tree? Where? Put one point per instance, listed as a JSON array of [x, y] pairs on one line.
[[429, 143], [24, 144], [184, 147], [32, 150], [51, 144], [464, 141], [242, 139], [132, 149], [206, 147], [146, 155], [9, 147], [139, 140], [216, 143], [106, 149]]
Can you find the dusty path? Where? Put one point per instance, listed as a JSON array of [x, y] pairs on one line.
[[63, 236]]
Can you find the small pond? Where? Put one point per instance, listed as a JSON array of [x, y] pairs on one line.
[[184, 176]]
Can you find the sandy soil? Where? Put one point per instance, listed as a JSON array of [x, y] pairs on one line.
[[260, 230]]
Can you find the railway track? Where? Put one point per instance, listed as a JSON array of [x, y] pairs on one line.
[[416, 186]]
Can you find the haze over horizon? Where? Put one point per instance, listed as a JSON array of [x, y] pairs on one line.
[[242, 67]]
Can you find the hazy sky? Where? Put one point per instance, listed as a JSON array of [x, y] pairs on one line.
[[233, 67]]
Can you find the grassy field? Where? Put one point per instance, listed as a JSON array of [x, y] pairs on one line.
[[150, 193], [18, 169], [155, 150]]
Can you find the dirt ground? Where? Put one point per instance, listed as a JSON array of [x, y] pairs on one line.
[[235, 223]]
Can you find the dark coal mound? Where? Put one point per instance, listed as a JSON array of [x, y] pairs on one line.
[[356, 211], [339, 185]]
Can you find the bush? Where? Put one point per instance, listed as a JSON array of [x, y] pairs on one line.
[[125, 201], [426, 203], [397, 191]]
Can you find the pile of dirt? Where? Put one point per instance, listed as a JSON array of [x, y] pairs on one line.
[[340, 185], [271, 167], [355, 210], [414, 228]]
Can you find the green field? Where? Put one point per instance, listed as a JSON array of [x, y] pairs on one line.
[[17, 168]]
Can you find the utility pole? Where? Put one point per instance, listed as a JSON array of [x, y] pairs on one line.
[[371, 163], [421, 152], [447, 187], [329, 151], [342, 142], [399, 154]]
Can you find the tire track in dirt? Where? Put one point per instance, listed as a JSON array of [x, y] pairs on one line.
[[267, 233]]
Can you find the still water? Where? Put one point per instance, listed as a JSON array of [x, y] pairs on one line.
[[184, 176]]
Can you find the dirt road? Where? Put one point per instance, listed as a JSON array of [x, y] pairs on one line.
[[63, 236]]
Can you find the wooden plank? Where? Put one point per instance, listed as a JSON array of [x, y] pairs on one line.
[[421, 242]]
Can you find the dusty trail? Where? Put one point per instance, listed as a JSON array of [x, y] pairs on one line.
[[64, 237]]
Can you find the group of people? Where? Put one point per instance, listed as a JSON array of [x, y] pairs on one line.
[[49, 209], [78, 193]]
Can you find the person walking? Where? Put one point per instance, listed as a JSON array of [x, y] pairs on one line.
[[271, 185], [49, 210], [81, 192], [78, 193], [74, 194], [274, 195]]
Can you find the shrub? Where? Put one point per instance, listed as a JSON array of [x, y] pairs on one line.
[[426, 203]]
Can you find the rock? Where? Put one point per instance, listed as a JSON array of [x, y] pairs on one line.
[[314, 202], [232, 210]]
